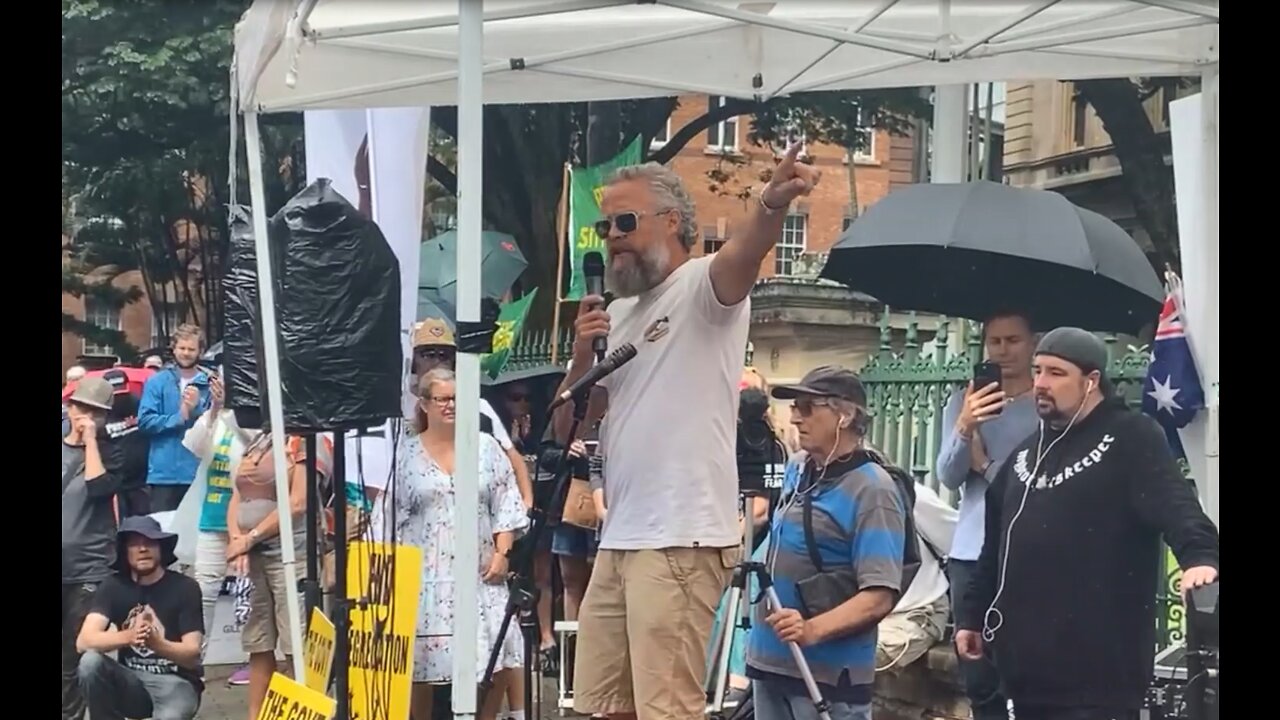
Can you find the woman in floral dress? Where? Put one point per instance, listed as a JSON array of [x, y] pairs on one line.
[[425, 514]]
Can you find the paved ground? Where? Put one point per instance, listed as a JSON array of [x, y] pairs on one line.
[[223, 702]]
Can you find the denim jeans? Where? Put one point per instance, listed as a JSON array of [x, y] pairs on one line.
[[75, 605], [773, 704], [114, 692], [981, 681]]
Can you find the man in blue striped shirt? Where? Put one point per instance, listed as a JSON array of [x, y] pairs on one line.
[[839, 572]]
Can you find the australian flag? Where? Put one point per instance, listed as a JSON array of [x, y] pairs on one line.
[[1172, 393]]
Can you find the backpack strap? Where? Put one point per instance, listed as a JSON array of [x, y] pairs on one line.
[[810, 540]]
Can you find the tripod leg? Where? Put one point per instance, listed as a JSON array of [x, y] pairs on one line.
[[797, 655], [722, 650]]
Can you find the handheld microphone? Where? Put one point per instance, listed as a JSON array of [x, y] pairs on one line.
[[593, 275], [598, 372]]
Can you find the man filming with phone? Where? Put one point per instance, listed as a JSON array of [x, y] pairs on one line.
[[985, 421]]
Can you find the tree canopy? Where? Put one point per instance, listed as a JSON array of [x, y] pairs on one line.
[[1141, 152], [526, 147], [145, 103]]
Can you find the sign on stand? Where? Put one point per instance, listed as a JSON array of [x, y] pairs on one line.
[[386, 579], [288, 700], [318, 653]]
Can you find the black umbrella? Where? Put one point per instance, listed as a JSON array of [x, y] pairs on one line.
[[972, 250]]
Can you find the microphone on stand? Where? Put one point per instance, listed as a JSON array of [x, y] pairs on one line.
[[593, 275], [598, 372]]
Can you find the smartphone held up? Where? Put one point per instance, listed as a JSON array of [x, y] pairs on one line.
[[986, 374]]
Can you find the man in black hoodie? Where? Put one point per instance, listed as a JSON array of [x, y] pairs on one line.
[[1065, 586]]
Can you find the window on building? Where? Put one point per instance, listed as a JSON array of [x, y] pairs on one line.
[[103, 315], [1079, 119], [866, 133], [723, 135], [792, 244], [169, 317], [713, 238]]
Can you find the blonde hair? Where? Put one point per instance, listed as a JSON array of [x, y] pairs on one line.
[[187, 331], [425, 383]]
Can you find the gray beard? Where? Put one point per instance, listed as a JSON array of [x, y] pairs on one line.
[[645, 274]]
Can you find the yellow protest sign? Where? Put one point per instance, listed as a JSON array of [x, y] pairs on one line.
[[288, 700], [384, 580], [318, 653]]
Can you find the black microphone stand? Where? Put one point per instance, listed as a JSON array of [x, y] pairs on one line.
[[341, 603], [523, 598], [311, 585]]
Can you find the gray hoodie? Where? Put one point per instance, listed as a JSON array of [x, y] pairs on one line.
[[88, 519]]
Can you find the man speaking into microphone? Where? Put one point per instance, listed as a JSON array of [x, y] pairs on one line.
[[671, 538]]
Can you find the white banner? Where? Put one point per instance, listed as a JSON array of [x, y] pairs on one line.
[[388, 180], [1194, 136]]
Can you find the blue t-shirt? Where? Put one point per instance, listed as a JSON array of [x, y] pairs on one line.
[[858, 523], [213, 512]]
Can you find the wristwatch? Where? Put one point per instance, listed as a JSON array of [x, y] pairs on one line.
[[253, 536]]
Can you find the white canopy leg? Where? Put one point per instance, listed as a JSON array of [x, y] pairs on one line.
[[466, 561], [950, 134], [269, 375]]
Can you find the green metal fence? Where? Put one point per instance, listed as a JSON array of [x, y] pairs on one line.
[[534, 349], [908, 387]]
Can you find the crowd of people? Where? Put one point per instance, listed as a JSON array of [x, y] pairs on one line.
[[1053, 472]]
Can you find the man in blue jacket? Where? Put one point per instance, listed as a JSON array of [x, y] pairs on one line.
[[172, 400]]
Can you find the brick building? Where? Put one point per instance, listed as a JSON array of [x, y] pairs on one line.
[[720, 163]]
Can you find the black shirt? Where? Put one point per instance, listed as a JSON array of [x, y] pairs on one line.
[[171, 603], [1078, 590], [88, 519]]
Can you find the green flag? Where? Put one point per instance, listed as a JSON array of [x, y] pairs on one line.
[[510, 323], [585, 189]]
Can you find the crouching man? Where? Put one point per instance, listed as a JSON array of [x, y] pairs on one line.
[[160, 626], [836, 556]]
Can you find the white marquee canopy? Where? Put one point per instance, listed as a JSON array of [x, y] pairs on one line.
[[294, 55], [387, 53]]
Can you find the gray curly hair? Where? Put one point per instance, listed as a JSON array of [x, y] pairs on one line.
[[669, 193]]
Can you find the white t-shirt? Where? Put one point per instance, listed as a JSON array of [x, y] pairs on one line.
[[410, 401], [670, 468]]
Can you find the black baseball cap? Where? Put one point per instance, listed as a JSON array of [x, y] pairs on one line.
[[826, 381]]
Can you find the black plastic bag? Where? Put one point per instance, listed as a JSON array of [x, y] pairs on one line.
[[239, 317], [337, 293]]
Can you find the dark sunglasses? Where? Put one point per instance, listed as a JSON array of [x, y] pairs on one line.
[[517, 397], [806, 406], [432, 352], [626, 222]]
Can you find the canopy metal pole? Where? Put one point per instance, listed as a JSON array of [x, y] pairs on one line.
[[950, 135], [466, 563], [270, 374]]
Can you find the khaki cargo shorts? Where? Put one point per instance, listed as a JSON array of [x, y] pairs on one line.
[[268, 623], [644, 628]]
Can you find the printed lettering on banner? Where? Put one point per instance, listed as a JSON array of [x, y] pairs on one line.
[[318, 654], [386, 579], [289, 700]]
